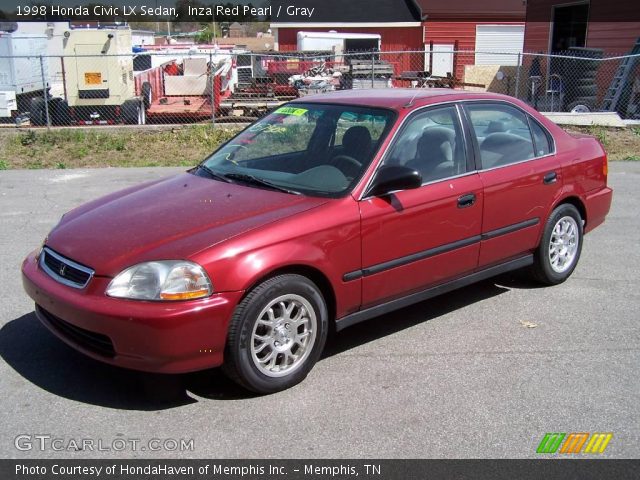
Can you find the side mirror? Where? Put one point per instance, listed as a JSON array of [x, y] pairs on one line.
[[394, 177]]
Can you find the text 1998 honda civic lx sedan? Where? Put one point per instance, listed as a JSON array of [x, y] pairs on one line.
[[331, 210]]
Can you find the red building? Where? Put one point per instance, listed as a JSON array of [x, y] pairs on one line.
[[484, 29], [555, 25], [420, 26]]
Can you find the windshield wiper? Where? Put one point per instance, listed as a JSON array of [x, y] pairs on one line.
[[246, 178], [213, 174]]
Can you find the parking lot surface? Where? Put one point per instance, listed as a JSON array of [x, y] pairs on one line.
[[484, 371]]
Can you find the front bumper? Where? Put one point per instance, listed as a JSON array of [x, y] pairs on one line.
[[162, 337]]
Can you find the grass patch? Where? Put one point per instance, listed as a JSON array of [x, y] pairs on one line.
[[181, 146], [620, 143], [81, 148], [600, 133]]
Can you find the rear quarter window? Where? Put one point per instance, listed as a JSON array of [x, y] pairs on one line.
[[543, 143]]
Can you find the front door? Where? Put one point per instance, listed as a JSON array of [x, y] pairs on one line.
[[416, 238]]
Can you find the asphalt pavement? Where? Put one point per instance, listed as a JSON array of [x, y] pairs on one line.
[[482, 372]]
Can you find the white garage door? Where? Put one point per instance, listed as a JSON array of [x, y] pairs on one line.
[[498, 44]]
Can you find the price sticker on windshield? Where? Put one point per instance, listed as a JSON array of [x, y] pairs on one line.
[[298, 112]]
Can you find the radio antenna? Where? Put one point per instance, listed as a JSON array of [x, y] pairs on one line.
[[410, 104]]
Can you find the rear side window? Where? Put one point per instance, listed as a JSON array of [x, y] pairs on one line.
[[541, 138], [502, 133]]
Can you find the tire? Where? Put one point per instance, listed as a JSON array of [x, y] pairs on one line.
[[588, 72], [261, 354], [555, 262], [142, 115], [585, 91], [133, 113], [147, 95], [584, 82], [579, 106], [60, 112], [37, 114]]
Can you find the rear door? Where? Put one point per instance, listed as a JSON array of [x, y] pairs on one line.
[[520, 174], [413, 239]]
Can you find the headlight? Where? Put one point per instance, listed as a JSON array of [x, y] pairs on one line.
[[163, 280]]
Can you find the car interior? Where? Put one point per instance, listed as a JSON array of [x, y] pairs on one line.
[[328, 150], [331, 151], [503, 137], [432, 144]]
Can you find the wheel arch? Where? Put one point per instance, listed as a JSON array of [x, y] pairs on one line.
[[315, 275], [576, 202]]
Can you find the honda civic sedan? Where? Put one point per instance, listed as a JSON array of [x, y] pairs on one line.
[[331, 210]]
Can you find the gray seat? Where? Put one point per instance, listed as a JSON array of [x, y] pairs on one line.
[[356, 143], [495, 127], [434, 154]]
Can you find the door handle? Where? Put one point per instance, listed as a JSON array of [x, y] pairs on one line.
[[466, 200], [550, 177]]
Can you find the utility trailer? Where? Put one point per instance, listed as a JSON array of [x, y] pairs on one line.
[[188, 87], [21, 73], [99, 81]]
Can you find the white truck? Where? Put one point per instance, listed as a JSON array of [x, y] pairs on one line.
[[22, 78], [99, 80], [338, 43]]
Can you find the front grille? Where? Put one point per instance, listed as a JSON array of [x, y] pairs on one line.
[[64, 270], [92, 341]]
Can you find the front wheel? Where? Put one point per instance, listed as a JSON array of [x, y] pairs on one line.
[[277, 334], [560, 247]]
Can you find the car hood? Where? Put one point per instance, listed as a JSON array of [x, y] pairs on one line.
[[172, 218]]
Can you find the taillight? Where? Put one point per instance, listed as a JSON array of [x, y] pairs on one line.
[[605, 167]]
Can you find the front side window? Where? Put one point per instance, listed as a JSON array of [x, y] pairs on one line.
[[432, 143], [502, 133], [303, 148]]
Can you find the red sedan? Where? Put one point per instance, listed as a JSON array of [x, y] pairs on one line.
[[329, 211]]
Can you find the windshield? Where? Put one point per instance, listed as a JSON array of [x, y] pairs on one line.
[[303, 148]]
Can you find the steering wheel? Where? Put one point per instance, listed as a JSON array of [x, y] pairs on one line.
[[347, 165]]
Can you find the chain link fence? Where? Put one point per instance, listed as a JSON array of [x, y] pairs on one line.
[[206, 85]]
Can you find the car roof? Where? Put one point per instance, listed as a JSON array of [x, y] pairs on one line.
[[396, 98]]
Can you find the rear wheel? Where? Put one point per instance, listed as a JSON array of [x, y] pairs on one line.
[[133, 112], [60, 112], [560, 247], [277, 334], [147, 95], [37, 113]]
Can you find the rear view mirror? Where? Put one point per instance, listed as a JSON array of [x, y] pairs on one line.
[[394, 177]]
